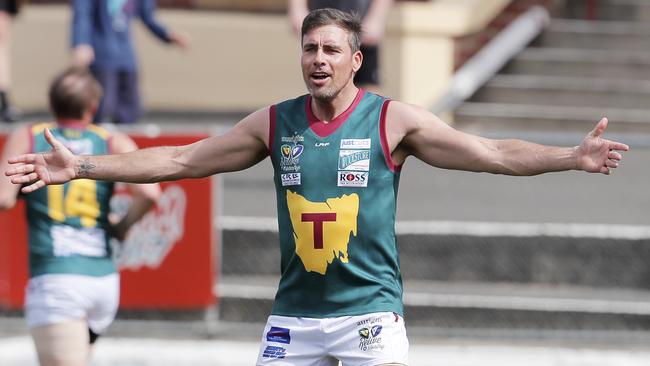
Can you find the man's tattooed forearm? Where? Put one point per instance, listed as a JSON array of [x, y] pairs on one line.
[[84, 168]]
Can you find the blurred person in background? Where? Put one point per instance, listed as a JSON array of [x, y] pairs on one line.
[[73, 291], [373, 14], [337, 154], [102, 40], [8, 9]]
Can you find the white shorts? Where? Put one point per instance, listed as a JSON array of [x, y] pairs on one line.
[[57, 298], [364, 340]]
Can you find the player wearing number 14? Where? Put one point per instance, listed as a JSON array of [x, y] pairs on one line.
[[73, 291], [67, 223]]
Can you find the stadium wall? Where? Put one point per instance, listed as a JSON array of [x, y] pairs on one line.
[[241, 61]]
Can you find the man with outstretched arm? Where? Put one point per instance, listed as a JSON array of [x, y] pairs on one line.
[[337, 153]]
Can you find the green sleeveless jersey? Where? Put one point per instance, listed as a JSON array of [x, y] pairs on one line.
[[68, 223], [336, 191]]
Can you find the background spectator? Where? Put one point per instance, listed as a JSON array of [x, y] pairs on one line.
[[101, 39]]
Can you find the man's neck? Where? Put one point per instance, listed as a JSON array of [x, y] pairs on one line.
[[326, 111], [73, 122]]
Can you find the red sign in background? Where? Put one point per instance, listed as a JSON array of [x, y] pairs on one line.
[[182, 280], [13, 253]]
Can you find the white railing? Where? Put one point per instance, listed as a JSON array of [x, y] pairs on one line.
[[491, 58]]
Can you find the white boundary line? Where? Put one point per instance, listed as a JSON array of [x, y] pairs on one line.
[[470, 228], [531, 303], [18, 351]]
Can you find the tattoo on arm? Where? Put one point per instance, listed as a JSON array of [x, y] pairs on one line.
[[84, 168]]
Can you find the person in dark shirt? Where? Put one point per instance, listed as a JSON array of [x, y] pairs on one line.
[[101, 39]]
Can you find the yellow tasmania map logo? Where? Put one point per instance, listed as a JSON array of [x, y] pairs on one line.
[[322, 229]]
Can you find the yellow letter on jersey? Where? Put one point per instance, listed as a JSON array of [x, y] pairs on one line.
[[322, 229]]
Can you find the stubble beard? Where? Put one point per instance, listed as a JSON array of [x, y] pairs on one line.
[[324, 95], [327, 93]]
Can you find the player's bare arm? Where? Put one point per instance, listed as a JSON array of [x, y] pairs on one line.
[[144, 196], [412, 130], [241, 147]]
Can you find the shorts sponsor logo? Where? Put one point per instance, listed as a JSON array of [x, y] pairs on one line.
[[375, 330], [279, 335], [369, 338], [352, 179], [355, 143], [274, 352], [290, 179], [371, 320], [364, 333], [358, 160]]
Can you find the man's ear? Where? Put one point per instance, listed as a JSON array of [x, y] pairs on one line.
[[93, 107], [357, 60]]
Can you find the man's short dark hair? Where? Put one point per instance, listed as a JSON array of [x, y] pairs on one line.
[[72, 92], [327, 16]]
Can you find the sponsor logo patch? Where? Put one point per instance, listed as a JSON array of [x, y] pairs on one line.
[[352, 179], [371, 320], [290, 155], [358, 160], [79, 147], [364, 333], [293, 139], [355, 143], [375, 330], [274, 352], [291, 152], [369, 338], [290, 179], [279, 335]]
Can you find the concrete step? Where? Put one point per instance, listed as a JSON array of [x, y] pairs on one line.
[[600, 35], [468, 305], [565, 91], [577, 255], [627, 10], [631, 65], [476, 117]]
